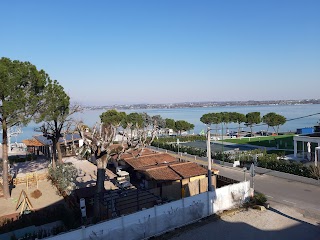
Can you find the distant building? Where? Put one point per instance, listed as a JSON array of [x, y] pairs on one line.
[[68, 144]]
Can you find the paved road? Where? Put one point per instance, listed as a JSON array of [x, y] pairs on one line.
[[284, 188], [289, 192]]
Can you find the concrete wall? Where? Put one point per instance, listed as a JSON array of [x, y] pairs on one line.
[[162, 218]]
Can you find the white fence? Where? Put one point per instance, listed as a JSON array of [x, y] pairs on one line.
[[162, 218]]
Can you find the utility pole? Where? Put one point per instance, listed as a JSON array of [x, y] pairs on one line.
[[178, 144], [252, 174], [222, 144], [209, 160]]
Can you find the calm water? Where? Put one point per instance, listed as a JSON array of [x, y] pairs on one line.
[[193, 115]]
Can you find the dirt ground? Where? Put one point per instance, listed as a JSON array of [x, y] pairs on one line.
[[49, 193], [279, 222], [48, 197]]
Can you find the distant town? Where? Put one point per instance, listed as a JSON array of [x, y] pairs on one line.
[[205, 104]]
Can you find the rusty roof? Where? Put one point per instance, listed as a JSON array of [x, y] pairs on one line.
[[188, 169], [131, 153], [137, 152], [163, 173], [32, 142], [173, 171], [149, 160]]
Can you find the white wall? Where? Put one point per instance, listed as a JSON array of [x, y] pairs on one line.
[[162, 218]]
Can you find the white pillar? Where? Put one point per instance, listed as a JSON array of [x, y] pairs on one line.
[[295, 148], [316, 154]]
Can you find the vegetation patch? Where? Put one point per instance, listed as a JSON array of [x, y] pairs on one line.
[[63, 176]]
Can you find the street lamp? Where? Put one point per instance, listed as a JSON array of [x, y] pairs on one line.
[[244, 173], [222, 144], [178, 144]]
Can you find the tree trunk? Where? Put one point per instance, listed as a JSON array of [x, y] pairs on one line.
[[58, 147], [6, 190], [54, 153], [101, 173]]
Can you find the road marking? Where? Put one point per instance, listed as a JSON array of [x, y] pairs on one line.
[[288, 202], [269, 196]]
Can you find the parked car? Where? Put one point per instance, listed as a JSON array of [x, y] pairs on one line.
[[249, 135]]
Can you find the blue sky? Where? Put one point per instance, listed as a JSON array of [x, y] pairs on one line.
[[107, 52]]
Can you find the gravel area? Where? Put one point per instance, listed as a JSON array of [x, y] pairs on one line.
[[279, 222]]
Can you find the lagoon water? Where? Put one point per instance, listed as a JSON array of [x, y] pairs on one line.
[[192, 115]]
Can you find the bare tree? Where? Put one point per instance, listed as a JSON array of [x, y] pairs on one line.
[[99, 141]]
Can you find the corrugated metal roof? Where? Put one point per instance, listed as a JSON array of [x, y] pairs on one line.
[[68, 138]]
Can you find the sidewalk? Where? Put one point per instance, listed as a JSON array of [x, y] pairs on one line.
[[279, 222]]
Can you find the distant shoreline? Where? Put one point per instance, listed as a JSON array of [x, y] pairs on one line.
[[206, 104]]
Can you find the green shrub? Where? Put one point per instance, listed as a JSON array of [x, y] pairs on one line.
[[63, 177], [260, 198]]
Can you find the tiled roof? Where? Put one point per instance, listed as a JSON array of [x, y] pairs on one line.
[[130, 154], [163, 173], [32, 143], [149, 160], [134, 153], [188, 169], [173, 171]]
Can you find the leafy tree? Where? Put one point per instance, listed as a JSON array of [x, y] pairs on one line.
[[170, 124], [56, 116], [206, 118], [21, 88], [252, 118], [182, 125], [211, 118], [238, 118], [274, 120], [225, 118]]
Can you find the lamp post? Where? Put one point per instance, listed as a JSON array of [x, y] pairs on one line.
[[209, 160], [222, 143], [178, 144], [244, 173]]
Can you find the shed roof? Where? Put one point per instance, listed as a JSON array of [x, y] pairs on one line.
[[149, 160], [32, 142], [163, 173], [69, 138], [188, 169], [173, 171]]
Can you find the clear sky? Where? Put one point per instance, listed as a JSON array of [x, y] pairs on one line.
[[148, 51]]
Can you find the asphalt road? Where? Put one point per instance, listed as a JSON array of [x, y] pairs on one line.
[[300, 195]]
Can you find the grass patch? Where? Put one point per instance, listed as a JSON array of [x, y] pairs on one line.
[[282, 141]]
